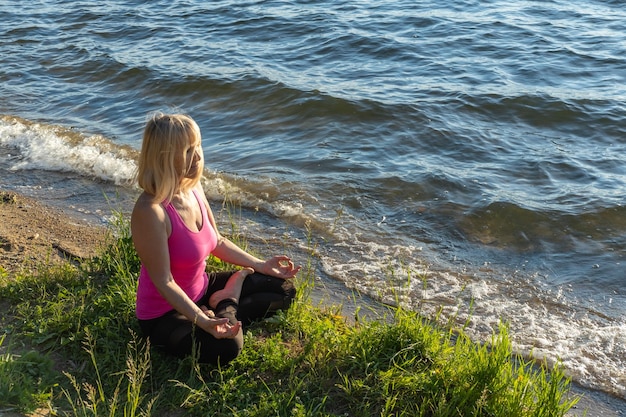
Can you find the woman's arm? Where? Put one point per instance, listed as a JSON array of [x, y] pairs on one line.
[[149, 227], [278, 266]]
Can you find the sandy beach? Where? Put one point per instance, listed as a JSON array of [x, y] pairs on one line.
[[32, 233]]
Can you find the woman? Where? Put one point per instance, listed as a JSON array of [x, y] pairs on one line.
[[180, 307]]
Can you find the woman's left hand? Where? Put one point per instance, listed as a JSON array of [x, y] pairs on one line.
[[280, 266]]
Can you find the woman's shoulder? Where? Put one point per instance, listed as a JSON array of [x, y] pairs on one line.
[[149, 223], [146, 205]]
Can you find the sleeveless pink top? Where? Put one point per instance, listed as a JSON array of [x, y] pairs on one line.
[[188, 252]]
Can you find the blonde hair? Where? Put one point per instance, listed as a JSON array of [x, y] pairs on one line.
[[165, 139]]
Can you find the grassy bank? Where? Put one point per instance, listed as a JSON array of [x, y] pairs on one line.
[[73, 348]]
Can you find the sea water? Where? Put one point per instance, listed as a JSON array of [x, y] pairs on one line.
[[462, 158]]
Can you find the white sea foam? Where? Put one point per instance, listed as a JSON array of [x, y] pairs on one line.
[[253, 195], [50, 148], [543, 324]]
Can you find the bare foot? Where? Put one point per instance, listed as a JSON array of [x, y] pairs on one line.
[[232, 290]]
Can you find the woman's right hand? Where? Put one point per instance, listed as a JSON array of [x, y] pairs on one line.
[[219, 327]]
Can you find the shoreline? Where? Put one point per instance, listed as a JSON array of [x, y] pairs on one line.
[[32, 233]]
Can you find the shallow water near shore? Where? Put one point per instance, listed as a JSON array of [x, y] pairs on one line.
[[465, 158]]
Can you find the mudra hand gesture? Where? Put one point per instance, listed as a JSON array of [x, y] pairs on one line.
[[280, 266], [219, 327]]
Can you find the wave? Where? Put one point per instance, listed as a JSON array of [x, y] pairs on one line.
[[437, 197], [509, 226], [31, 145]]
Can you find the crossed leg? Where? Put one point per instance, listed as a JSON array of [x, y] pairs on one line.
[[232, 289]]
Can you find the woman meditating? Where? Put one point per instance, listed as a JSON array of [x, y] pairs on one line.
[[174, 231]]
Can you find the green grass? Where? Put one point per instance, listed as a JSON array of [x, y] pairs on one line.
[[308, 361], [26, 380]]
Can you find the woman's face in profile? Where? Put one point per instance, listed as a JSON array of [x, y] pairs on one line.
[[190, 160]]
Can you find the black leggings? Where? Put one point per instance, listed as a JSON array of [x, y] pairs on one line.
[[261, 296]]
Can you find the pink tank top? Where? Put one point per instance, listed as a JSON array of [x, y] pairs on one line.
[[188, 252]]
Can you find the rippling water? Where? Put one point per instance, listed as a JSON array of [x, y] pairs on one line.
[[442, 155]]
